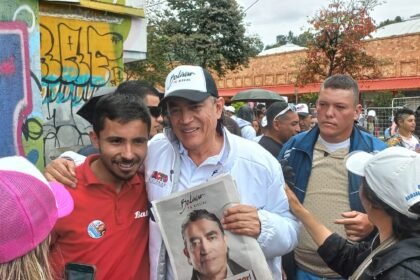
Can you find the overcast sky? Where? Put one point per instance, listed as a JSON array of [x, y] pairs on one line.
[[269, 18]]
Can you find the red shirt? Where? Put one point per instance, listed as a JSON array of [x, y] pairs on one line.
[[106, 229]]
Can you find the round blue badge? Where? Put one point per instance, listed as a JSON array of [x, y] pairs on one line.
[[96, 229]]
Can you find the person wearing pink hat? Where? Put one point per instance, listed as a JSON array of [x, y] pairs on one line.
[[390, 193], [29, 209]]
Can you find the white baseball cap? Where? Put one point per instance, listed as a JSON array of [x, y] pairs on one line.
[[230, 109], [393, 175], [302, 109], [371, 113], [190, 82]]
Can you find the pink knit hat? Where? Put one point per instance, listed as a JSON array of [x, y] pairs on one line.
[[29, 207]]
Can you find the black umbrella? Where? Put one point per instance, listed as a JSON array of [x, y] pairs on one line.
[[257, 94], [87, 109]]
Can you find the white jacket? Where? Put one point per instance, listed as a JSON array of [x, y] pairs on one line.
[[260, 182]]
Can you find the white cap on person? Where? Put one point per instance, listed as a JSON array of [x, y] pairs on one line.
[[190, 82], [393, 175]]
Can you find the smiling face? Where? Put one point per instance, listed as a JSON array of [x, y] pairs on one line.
[[122, 148], [194, 124], [206, 249], [336, 113]]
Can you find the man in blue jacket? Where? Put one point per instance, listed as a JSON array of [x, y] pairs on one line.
[[322, 182]]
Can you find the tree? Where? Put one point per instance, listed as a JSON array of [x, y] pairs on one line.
[[337, 46], [300, 40], [155, 67], [390, 21], [209, 33]]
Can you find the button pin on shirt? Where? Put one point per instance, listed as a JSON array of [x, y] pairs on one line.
[[214, 172]]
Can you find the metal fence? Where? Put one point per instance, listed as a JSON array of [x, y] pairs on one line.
[[378, 121], [382, 117], [410, 102]]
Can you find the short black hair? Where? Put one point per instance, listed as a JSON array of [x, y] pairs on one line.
[[140, 87], [402, 114], [200, 214], [246, 113], [119, 107], [273, 110]]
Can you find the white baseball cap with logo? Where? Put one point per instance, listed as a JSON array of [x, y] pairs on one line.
[[193, 83], [393, 175], [302, 109]]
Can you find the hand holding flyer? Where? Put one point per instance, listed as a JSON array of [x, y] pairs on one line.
[[198, 245]]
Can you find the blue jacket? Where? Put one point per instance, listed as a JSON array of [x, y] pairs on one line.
[[298, 151]]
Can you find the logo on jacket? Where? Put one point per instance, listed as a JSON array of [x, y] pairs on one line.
[[158, 178]]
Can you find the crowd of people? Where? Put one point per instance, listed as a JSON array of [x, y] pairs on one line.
[[323, 198]]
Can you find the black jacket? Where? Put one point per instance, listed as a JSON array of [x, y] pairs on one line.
[[399, 261]]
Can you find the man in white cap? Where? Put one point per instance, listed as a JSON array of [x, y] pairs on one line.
[[230, 111], [304, 116], [198, 147]]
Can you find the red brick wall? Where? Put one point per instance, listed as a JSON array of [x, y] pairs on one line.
[[400, 56]]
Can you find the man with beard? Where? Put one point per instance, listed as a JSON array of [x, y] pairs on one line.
[[148, 94], [109, 225]]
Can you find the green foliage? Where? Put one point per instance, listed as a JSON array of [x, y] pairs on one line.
[[383, 99], [390, 21], [155, 68], [309, 98], [238, 104], [300, 40], [337, 46], [200, 32]]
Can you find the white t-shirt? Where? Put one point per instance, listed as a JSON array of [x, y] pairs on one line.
[[410, 143]]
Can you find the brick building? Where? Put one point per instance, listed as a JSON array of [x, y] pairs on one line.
[[398, 44]]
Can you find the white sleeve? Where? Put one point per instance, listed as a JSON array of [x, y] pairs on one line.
[[248, 132], [77, 158]]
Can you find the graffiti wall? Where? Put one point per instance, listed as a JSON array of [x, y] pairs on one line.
[[51, 63], [15, 97], [20, 75], [77, 58]]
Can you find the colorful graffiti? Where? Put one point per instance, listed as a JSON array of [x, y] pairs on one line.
[[15, 89], [51, 64], [77, 58]]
